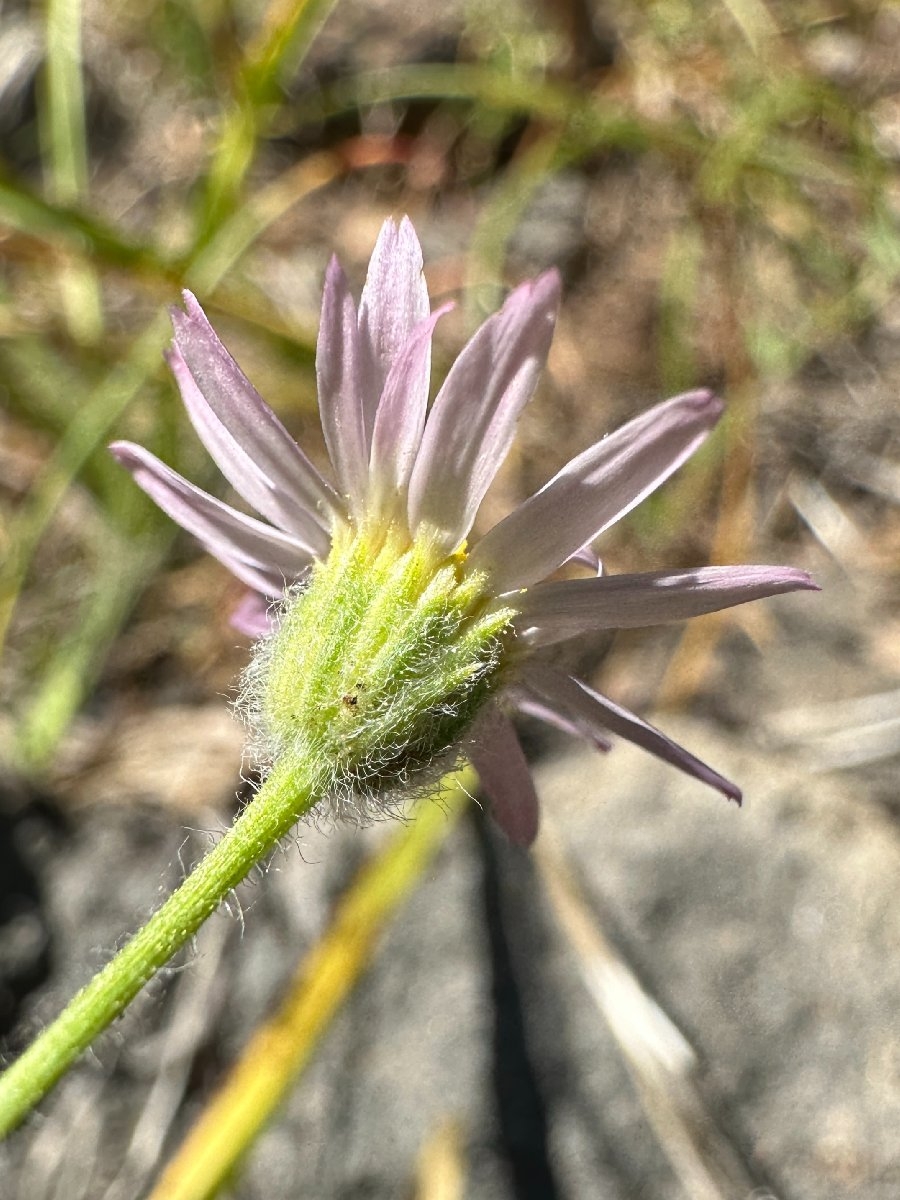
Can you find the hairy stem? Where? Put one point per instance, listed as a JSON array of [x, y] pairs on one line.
[[281, 1048], [287, 793]]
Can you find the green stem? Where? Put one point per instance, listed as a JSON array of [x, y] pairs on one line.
[[283, 798]]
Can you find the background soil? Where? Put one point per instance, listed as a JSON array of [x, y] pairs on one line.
[[753, 1048]]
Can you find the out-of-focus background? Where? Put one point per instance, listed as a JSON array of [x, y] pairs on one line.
[[671, 997]]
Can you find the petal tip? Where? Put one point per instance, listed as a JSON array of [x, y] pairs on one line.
[[388, 241], [406, 232], [190, 319], [122, 452], [520, 831], [544, 291], [702, 408], [731, 792], [549, 282], [334, 266], [193, 310], [705, 399], [794, 579]]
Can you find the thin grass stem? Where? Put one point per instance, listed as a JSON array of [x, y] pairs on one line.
[[64, 120]]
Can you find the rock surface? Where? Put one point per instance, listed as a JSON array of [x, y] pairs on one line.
[[765, 935]]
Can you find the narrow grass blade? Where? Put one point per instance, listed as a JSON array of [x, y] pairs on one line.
[[73, 667], [83, 435], [63, 120], [503, 212], [287, 30]]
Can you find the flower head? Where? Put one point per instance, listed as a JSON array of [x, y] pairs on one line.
[[384, 640]]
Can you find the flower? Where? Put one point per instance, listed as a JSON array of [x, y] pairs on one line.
[[384, 640]]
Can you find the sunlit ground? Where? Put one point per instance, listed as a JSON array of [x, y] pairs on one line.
[[671, 998]]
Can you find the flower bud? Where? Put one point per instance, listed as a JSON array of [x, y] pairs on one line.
[[377, 667]]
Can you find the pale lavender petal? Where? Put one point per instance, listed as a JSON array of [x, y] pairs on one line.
[[341, 389], [229, 535], [587, 557], [505, 777], [394, 300], [525, 703], [253, 616], [267, 582], [473, 421], [594, 490], [241, 471], [401, 417], [248, 419], [552, 612], [585, 706]]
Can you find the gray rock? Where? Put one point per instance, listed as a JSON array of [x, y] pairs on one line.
[[765, 935]]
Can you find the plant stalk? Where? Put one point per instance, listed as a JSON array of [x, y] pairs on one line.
[[281, 1048]]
